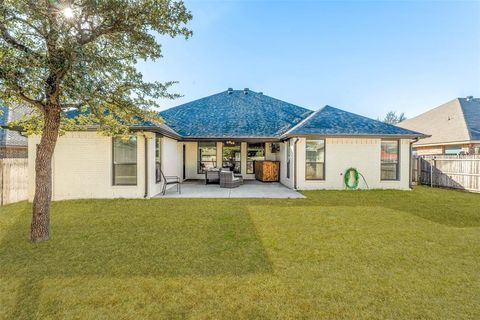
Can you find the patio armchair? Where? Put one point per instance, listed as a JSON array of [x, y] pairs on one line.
[[212, 175], [235, 175], [169, 180], [228, 180]]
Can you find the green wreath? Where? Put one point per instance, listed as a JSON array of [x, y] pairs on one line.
[[356, 178]]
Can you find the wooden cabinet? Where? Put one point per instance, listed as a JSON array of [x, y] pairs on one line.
[[267, 171]]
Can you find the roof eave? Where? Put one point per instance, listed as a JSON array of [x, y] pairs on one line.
[[239, 138], [364, 135]]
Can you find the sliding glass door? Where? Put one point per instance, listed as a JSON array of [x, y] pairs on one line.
[[232, 155]]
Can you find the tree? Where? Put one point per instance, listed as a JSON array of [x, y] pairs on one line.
[[393, 118], [59, 55]]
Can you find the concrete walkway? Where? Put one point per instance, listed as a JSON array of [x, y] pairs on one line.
[[250, 189]]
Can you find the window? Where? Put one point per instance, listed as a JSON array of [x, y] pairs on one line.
[[288, 158], [125, 161], [453, 150], [158, 158], [207, 156], [231, 154], [315, 160], [389, 160], [255, 152]]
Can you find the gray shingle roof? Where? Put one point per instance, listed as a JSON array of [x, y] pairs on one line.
[[235, 113], [160, 127], [248, 114], [333, 121]]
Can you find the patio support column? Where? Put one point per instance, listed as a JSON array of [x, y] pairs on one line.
[[243, 157]]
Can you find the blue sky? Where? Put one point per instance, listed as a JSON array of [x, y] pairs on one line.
[[364, 57]]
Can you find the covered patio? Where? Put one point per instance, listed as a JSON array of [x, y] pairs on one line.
[[250, 189]]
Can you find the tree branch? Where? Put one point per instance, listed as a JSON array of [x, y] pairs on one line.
[[17, 45], [76, 105]]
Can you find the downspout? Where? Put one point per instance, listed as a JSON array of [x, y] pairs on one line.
[[146, 165], [410, 184], [295, 163]]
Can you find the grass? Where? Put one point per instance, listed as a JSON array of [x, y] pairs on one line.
[[334, 255]]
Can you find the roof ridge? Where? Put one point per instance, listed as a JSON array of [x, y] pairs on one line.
[[303, 121], [465, 121], [371, 119], [327, 120]]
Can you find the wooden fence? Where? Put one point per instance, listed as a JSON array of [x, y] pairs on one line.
[[457, 172], [13, 180]]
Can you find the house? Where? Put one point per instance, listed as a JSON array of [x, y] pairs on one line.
[[12, 143], [233, 128], [454, 128]]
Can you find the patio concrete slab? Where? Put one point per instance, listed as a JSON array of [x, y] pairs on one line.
[[250, 189]]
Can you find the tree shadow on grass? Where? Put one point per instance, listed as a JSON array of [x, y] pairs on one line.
[[117, 239]]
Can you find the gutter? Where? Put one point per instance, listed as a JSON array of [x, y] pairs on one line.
[[295, 163], [410, 184], [146, 166], [370, 136]]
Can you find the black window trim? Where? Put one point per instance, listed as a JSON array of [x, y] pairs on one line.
[[199, 171], [158, 175], [240, 166], [253, 161]]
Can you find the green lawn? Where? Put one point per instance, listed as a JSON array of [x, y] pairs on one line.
[[334, 255]]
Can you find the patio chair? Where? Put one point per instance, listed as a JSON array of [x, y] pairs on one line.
[[212, 175], [228, 180], [235, 175], [169, 180]]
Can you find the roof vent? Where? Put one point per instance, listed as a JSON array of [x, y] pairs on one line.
[[469, 98], [245, 90], [230, 90]]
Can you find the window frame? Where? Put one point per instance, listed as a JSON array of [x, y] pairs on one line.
[[316, 162], [199, 161], [253, 161], [240, 161], [397, 169], [288, 158], [158, 162], [126, 163]]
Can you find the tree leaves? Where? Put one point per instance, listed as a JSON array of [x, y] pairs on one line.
[[87, 61]]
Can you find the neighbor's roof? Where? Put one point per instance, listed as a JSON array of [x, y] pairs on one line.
[[455, 121], [335, 122], [12, 137], [234, 114]]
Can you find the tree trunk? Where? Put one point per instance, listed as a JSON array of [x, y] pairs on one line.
[[40, 229]]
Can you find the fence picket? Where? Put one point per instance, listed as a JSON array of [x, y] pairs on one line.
[[457, 172], [13, 180]]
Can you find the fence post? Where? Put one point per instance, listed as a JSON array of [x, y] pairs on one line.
[[431, 173]]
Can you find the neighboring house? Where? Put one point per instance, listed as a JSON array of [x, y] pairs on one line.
[[454, 128], [12, 143], [232, 128]]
